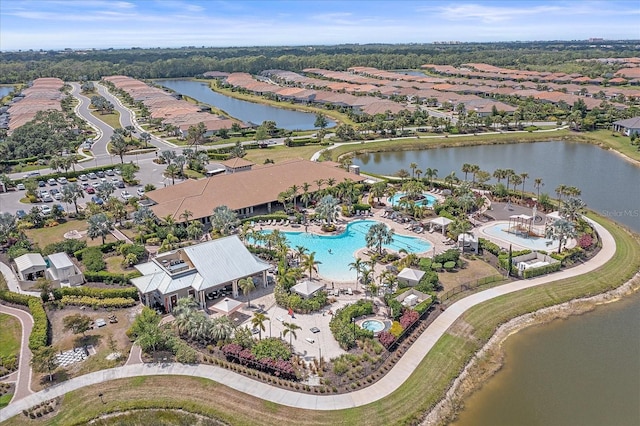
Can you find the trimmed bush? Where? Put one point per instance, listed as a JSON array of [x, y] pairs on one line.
[[39, 336], [94, 302], [98, 293], [110, 277], [542, 270]]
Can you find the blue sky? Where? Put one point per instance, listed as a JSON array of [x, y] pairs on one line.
[[56, 24]]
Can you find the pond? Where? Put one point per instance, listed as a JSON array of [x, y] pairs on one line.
[[248, 112]]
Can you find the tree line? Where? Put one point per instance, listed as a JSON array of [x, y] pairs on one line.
[[18, 67]]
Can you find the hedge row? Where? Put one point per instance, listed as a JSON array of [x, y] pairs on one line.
[[104, 248], [489, 246], [571, 254], [542, 270], [94, 302], [40, 332], [39, 336], [110, 277], [97, 293]]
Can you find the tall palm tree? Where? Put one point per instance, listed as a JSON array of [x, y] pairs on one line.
[[572, 208], [430, 174], [221, 328], [71, 193], [290, 329], [310, 263], [474, 169], [499, 174], [524, 177], [99, 226], [224, 220], [466, 168], [560, 191], [300, 252], [185, 215], [357, 264], [537, 183], [378, 235], [413, 167], [247, 286], [561, 230], [257, 321]]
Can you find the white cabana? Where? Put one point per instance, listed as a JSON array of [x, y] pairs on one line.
[[410, 276], [441, 222], [306, 288], [468, 242], [62, 269], [31, 266], [227, 306]]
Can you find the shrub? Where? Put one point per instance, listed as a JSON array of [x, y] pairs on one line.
[[396, 329], [94, 302], [273, 348], [489, 246], [451, 255], [98, 293], [546, 269], [92, 259], [110, 277], [39, 336], [67, 246], [343, 330], [186, 355], [422, 307], [408, 317], [449, 265], [386, 339], [585, 241]]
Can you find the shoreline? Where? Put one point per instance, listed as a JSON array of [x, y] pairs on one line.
[[489, 359]]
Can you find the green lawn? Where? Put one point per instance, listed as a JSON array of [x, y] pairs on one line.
[[10, 335], [112, 119], [615, 141]]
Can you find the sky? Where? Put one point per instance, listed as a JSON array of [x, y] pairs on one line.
[[78, 24]]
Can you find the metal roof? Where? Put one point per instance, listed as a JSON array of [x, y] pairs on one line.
[[60, 260], [30, 260]]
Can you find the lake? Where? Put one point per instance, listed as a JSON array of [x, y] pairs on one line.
[[5, 90], [242, 110], [581, 371]]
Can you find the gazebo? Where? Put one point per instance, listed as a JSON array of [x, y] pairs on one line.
[[520, 224], [227, 306], [306, 288], [441, 222], [410, 276]]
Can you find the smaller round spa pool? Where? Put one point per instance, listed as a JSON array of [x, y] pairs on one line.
[[373, 325]]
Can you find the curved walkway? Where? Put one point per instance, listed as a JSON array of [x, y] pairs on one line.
[[385, 386], [23, 382]]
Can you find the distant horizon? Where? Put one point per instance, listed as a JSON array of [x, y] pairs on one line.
[[164, 24], [447, 42]]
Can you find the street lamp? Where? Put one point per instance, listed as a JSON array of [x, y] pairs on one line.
[[353, 321]]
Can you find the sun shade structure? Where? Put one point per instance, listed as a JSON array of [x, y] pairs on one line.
[[195, 271], [227, 306], [410, 276], [306, 288], [441, 222]]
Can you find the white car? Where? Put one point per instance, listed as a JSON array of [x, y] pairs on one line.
[[46, 210], [125, 195], [62, 180], [140, 192], [20, 187], [57, 196], [47, 198], [83, 177]]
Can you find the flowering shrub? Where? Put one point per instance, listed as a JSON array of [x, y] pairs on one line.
[[396, 329], [232, 350], [585, 241], [408, 318], [386, 338]]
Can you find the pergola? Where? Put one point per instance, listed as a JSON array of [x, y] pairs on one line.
[[306, 288], [441, 222]]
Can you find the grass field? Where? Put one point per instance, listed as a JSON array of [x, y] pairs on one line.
[[112, 119], [10, 335], [280, 153], [405, 406]]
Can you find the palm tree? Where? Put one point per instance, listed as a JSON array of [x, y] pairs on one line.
[[537, 183], [430, 174], [99, 226], [258, 322], [119, 146], [185, 215], [516, 180], [561, 230], [357, 264], [508, 174], [378, 235], [220, 328], [560, 191], [247, 286], [377, 190], [474, 169], [328, 209], [172, 171], [310, 263], [224, 219], [70, 194], [499, 174], [413, 167], [294, 192], [572, 208], [290, 329], [524, 177], [299, 252], [451, 178], [466, 168]]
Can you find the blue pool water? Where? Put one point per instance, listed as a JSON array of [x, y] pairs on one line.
[[499, 231], [373, 325], [429, 199], [336, 252]]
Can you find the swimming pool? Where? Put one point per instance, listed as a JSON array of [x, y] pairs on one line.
[[428, 200], [533, 243], [373, 325], [336, 252]]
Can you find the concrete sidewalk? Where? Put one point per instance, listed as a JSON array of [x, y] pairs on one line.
[[23, 381], [385, 386]]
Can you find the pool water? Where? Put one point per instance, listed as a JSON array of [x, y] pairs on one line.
[[373, 325], [532, 243], [336, 252], [428, 200]]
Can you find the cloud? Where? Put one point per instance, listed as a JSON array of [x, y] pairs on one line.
[[492, 14]]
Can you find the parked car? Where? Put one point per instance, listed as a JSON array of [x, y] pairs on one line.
[[92, 176], [115, 180], [52, 182], [45, 209], [125, 195], [59, 208], [120, 184], [20, 214], [47, 198], [140, 192], [95, 199], [63, 180], [54, 191], [57, 196], [42, 183], [84, 185], [20, 187], [83, 177], [90, 189], [100, 174], [109, 172], [117, 171]]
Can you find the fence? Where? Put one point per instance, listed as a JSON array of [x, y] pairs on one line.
[[470, 285]]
